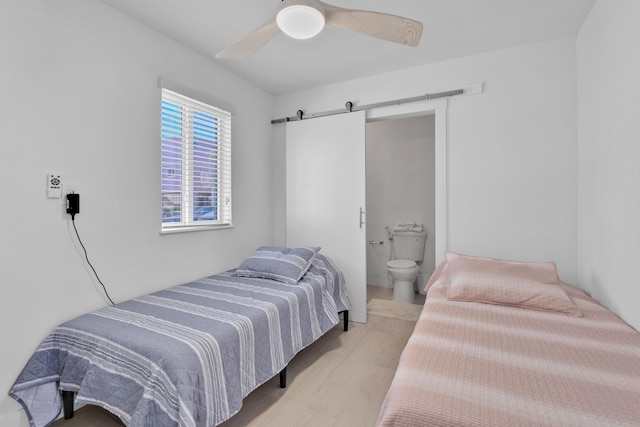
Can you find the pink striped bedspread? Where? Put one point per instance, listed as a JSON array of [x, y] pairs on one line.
[[476, 364]]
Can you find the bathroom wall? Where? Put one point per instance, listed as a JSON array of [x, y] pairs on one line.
[[400, 183]]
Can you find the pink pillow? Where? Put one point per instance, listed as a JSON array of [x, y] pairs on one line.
[[512, 283], [543, 272]]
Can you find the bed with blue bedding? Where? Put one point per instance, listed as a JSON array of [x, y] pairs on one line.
[[187, 355]]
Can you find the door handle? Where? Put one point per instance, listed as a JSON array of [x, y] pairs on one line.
[[361, 216]]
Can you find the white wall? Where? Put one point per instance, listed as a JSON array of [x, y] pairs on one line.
[[609, 153], [400, 182], [80, 98], [512, 162]]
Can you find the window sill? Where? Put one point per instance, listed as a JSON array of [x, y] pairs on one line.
[[188, 229]]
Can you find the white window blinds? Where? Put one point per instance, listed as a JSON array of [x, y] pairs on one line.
[[196, 163]]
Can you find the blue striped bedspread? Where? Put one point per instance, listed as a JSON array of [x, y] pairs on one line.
[[184, 356]]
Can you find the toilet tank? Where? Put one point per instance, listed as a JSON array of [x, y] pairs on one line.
[[409, 245]]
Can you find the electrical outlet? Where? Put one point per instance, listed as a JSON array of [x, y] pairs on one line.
[[71, 188]]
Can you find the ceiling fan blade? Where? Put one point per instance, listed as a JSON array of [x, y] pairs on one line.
[[252, 42], [384, 26]]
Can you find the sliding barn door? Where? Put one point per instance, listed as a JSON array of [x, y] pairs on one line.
[[326, 196]]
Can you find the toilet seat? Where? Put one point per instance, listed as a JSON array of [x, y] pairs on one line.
[[401, 264]]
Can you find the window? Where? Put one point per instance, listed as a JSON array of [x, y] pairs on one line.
[[196, 164]]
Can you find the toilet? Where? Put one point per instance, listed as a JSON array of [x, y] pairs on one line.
[[408, 241]]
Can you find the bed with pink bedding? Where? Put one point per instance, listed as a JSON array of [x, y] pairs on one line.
[[503, 343]]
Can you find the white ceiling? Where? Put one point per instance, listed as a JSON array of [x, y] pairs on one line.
[[452, 28]]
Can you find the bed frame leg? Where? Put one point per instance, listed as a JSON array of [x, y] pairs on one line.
[[283, 378], [67, 401], [345, 315], [283, 373]]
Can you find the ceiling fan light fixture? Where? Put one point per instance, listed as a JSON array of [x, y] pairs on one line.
[[303, 19], [300, 21]]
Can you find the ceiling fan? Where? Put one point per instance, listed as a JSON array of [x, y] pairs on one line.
[[303, 19]]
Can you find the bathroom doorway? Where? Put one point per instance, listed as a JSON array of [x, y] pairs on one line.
[[400, 187]]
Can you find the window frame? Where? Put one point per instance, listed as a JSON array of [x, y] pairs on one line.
[[191, 111]]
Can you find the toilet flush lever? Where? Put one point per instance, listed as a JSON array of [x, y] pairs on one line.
[[361, 217]]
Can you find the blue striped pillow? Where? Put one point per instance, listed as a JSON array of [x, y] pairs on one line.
[[277, 263]]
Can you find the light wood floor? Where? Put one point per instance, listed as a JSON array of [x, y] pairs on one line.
[[340, 380]]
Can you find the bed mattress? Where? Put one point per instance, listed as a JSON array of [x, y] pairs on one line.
[[475, 364], [184, 356]]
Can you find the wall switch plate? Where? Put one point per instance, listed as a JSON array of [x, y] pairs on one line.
[[54, 186]]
